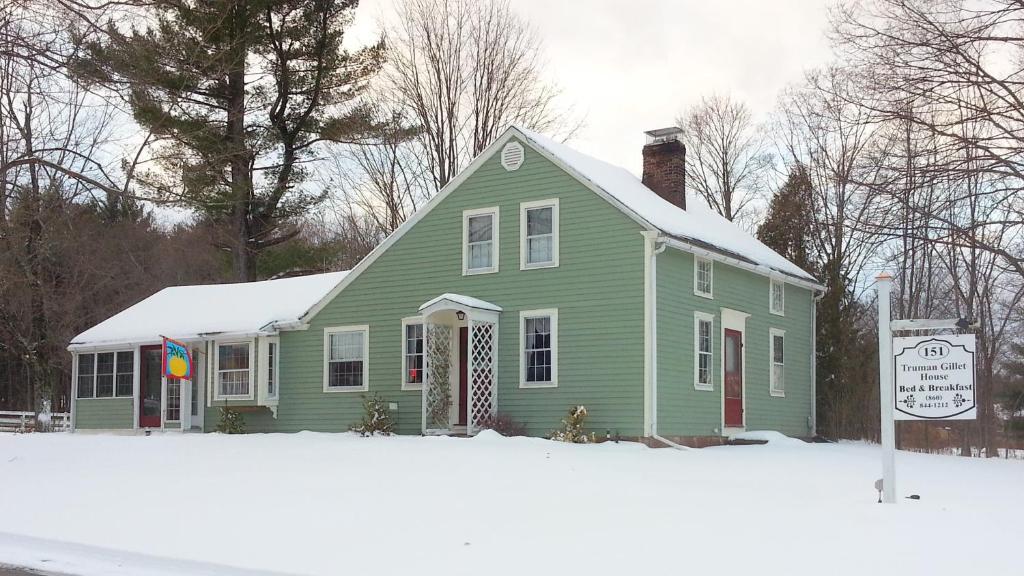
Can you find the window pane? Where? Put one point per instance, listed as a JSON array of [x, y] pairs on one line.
[[346, 374], [539, 249], [777, 349], [195, 397], [704, 336], [86, 369], [480, 255], [125, 373], [234, 383], [233, 357], [346, 346], [538, 221], [537, 353], [480, 228], [731, 355], [271, 364], [105, 375], [778, 377], [173, 400], [414, 354], [704, 276]]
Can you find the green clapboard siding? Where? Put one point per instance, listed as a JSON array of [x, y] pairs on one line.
[[103, 414], [597, 289], [686, 411]]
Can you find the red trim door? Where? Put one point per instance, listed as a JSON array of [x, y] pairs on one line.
[[463, 375], [150, 386], [733, 371]]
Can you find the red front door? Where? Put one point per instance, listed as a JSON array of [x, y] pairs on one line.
[[150, 393], [733, 379], [463, 375]]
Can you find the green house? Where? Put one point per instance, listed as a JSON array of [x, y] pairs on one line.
[[538, 279]]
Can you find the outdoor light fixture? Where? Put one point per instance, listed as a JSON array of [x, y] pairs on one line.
[[461, 315]]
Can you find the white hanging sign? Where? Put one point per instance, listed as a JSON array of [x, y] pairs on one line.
[[934, 377]]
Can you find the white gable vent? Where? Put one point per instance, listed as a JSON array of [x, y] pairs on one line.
[[512, 156]]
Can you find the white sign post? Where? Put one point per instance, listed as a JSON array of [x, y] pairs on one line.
[[885, 396], [934, 377]]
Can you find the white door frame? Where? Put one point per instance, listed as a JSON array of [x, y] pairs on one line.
[[733, 320]]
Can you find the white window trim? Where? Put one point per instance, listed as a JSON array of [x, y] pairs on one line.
[[523, 315], [95, 364], [264, 382], [365, 329], [217, 397], [697, 318], [772, 388], [524, 207], [696, 266], [772, 283], [466, 214], [405, 367]]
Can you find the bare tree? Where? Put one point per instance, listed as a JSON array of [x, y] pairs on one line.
[[727, 160], [380, 182], [940, 66], [465, 70]]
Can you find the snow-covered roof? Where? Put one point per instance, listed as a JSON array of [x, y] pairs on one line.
[[460, 300], [223, 309], [698, 224]]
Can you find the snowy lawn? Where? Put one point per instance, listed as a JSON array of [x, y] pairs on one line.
[[339, 504]]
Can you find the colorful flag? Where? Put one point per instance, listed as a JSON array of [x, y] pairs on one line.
[[177, 360]]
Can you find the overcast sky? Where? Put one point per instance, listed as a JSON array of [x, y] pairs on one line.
[[632, 65]]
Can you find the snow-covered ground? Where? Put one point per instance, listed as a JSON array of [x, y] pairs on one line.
[[340, 504]]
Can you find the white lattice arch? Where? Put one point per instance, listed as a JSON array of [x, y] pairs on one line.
[[483, 389], [443, 317]]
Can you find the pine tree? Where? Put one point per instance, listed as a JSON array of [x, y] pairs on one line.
[[238, 93], [787, 227]]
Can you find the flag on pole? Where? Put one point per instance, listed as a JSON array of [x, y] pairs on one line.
[[177, 362]]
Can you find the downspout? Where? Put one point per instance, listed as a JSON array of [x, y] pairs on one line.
[[654, 347], [818, 295]]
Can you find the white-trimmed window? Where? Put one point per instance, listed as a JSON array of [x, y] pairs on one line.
[[413, 361], [703, 355], [777, 297], [538, 234], [346, 354], [538, 348], [703, 276], [106, 375], [270, 369], [234, 371], [480, 241], [777, 354]]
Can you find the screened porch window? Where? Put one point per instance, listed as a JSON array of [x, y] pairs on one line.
[[233, 377], [173, 400], [106, 375]]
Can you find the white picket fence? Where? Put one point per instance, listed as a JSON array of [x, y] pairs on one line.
[[11, 421]]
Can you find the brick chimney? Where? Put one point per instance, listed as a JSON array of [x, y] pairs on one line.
[[665, 165]]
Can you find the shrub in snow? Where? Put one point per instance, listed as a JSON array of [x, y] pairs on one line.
[[231, 421], [377, 419], [503, 424], [572, 427]]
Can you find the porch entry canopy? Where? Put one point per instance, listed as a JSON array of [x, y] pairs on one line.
[[468, 304], [459, 373]]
